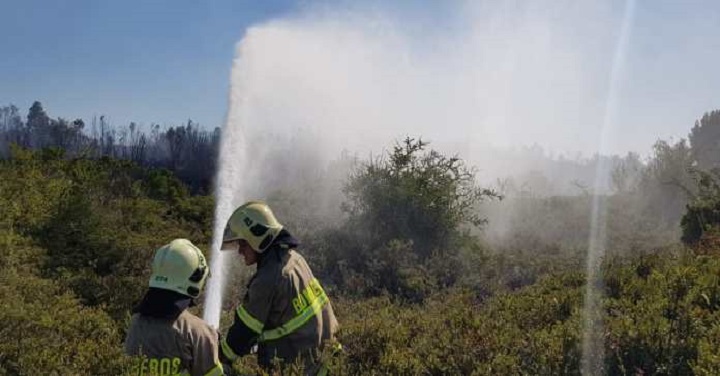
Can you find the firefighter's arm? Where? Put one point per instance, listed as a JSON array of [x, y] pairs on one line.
[[205, 357], [249, 321], [238, 341]]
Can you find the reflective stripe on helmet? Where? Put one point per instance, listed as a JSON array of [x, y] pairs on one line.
[[316, 300], [254, 324]]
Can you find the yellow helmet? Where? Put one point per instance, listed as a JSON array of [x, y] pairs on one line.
[[253, 222], [179, 266]]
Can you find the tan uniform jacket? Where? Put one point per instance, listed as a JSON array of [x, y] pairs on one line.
[[185, 346], [285, 311]]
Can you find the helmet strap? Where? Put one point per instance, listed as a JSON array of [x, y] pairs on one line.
[[266, 242]]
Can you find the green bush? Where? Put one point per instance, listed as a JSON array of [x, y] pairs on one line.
[[407, 219], [661, 318], [703, 213], [416, 195], [660, 313], [98, 221], [77, 236], [47, 331], [532, 332]]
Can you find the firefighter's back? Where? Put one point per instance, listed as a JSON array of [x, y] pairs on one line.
[[301, 306], [184, 346]]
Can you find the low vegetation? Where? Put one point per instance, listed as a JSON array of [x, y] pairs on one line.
[[417, 288]]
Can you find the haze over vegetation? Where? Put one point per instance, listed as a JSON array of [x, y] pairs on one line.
[[441, 183], [410, 232]]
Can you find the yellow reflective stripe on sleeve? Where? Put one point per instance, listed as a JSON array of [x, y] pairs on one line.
[[229, 353], [251, 322], [319, 299], [215, 371]]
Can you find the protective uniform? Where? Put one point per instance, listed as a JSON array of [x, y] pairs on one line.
[[165, 338], [285, 311]]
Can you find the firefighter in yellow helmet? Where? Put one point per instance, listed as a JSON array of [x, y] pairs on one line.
[[285, 311], [165, 338]]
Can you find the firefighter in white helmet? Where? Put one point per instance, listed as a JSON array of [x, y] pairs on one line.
[[285, 311], [165, 338]]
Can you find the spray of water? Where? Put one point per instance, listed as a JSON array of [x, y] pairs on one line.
[[593, 345], [230, 190], [306, 87]]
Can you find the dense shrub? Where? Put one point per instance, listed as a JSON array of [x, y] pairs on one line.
[[407, 218], [416, 195], [702, 218], [76, 238], [46, 331], [661, 317], [77, 234], [534, 331]]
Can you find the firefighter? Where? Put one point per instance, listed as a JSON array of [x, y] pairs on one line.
[[285, 311], [165, 338]]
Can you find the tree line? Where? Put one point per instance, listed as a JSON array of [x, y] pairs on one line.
[[189, 150]]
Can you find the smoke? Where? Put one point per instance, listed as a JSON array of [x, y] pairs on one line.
[[473, 78], [489, 76]]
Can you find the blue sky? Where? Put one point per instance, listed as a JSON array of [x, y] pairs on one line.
[[167, 61], [143, 61], [137, 60]]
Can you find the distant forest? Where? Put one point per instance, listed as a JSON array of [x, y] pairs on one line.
[[188, 150], [659, 187], [662, 185]]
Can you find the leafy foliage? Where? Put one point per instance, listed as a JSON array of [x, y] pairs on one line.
[[47, 331], [415, 289], [419, 196], [705, 140], [702, 219], [77, 235], [662, 316], [407, 216], [187, 150]]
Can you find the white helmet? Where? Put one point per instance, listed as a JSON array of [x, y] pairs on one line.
[[179, 266], [253, 222]]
